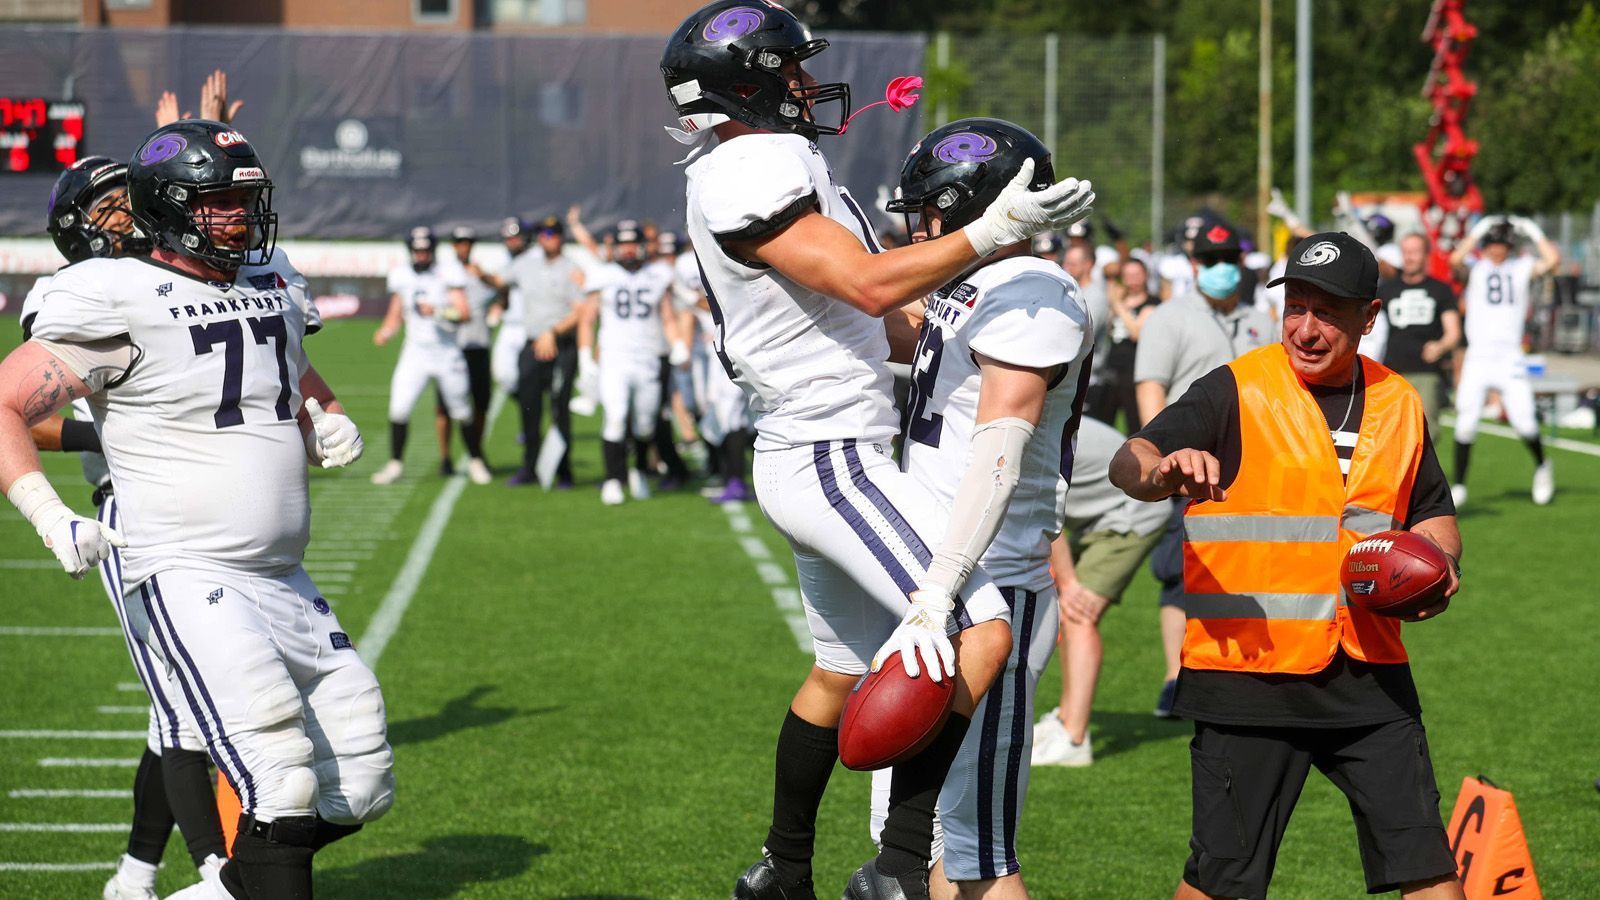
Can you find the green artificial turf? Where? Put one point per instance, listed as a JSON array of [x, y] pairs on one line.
[[583, 700]]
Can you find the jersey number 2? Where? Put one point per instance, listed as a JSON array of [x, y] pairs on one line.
[[230, 334], [922, 426]]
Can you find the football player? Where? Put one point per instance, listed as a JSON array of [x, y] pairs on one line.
[[1496, 306], [430, 297], [797, 292], [472, 336], [999, 376], [628, 299], [89, 218], [512, 337], [209, 413]]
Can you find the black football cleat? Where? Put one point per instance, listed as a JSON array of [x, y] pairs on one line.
[[762, 881], [869, 884]]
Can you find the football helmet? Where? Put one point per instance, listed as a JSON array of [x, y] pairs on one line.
[[960, 168], [83, 211], [170, 176], [726, 62], [627, 245], [1501, 232], [1381, 227]]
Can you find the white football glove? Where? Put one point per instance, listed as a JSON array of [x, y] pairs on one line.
[[1480, 228], [334, 441], [679, 355], [588, 374], [79, 544], [1279, 208], [1019, 213], [1528, 227], [923, 628]]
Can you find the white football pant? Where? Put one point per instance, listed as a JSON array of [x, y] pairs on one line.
[[419, 365], [629, 382], [1501, 370]]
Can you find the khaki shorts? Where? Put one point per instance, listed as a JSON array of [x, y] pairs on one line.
[[1427, 385], [1107, 560]]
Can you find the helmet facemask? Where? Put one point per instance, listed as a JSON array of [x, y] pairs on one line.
[[195, 237]]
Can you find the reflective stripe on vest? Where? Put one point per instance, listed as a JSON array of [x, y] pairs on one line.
[[1261, 568]]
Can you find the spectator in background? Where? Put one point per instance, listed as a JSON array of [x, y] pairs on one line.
[[1048, 245], [1100, 400], [512, 337], [1424, 324], [1106, 537], [1182, 340], [472, 336], [214, 103], [1131, 305], [552, 287]]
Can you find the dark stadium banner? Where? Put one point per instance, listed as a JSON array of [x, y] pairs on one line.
[[368, 135]]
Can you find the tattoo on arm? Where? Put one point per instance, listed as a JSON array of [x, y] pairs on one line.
[[52, 392]]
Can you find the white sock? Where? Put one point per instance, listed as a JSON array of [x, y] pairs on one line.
[[211, 869], [136, 872]]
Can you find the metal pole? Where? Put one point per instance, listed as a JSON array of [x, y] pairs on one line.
[[1264, 130], [941, 58], [1052, 47], [1158, 140], [1302, 110]]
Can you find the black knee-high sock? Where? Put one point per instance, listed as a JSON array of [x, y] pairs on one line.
[[616, 460], [806, 755], [397, 439], [261, 868], [1463, 458], [641, 454], [473, 439], [1536, 447], [152, 818], [913, 795], [667, 451], [189, 793], [734, 449]]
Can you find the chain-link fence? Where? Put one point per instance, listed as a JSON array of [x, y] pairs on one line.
[[1095, 101]]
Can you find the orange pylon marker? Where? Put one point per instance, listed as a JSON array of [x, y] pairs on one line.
[[1492, 855]]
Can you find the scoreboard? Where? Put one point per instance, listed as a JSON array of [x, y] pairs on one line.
[[39, 135]]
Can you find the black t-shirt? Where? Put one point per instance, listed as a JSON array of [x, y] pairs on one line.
[[1348, 692], [1124, 348], [1413, 311]]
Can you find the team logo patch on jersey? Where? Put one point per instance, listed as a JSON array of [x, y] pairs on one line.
[[214, 597], [163, 289], [966, 294], [267, 282], [321, 606], [341, 641]]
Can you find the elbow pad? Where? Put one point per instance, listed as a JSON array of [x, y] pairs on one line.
[[980, 503]]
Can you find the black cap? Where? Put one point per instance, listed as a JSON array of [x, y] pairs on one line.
[[551, 225], [1335, 262], [1216, 240]]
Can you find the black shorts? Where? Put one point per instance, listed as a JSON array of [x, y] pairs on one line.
[[1246, 781], [479, 380]]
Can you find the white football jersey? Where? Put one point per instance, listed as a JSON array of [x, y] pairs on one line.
[[1497, 303], [94, 465], [687, 287], [429, 287], [1025, 312], [630, 310], [813, 368], [200, 433], [475, 331]]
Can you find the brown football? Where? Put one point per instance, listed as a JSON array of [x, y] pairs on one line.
[[1395, 573], [891, 716]]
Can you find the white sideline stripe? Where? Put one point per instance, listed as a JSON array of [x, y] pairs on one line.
[[386, 621], [58, 867], [322, 576], [784, 597], [80, 762], [129, 687], [333, 590], [1583, 447], [29, 564], [48, 631], [67, 827], [121, 710], [331, 566], [48, 734], [62, 794]]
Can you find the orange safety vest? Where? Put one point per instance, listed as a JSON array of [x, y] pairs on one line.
[[1261, 568]]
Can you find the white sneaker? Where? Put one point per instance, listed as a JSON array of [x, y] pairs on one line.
[[1458, 493], [478, 471], [1053, 747], [611, 493], [1544, 483], [638, 488], [390, 473], [117, 889]]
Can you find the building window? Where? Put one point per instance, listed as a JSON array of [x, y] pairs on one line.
[[433, 11], [548, 13]]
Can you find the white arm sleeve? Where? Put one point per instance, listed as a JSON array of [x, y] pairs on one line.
[[980, 504]]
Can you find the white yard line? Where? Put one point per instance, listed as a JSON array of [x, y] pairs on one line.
[[62, 794], [29, 564], [64, 827], [45, 631], [1583, 447], [58, 867], [386, 621], [81, 762], [784, 596], [53, 735], [128, 687], [121, 710]]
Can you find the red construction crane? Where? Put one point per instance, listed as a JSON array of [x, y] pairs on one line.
[[1446, 155]]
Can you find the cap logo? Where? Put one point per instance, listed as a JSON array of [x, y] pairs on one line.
[[965, 146], [734, 23], [227, 138], [162, 149], [1217, 234], [1320, 254]]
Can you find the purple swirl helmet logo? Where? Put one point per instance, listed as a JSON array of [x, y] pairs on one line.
[[162, 149], [733, 23], [965, 146]]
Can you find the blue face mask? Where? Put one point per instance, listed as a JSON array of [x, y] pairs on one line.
[[1218, 281]]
